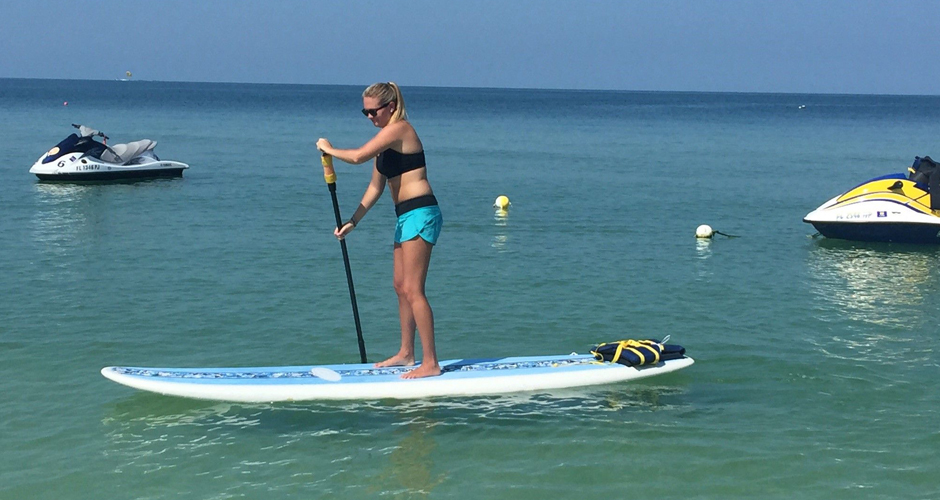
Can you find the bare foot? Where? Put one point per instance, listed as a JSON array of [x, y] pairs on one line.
[[423, 371], [396, 360]]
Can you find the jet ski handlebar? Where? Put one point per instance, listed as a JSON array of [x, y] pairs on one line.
[[89, 132]]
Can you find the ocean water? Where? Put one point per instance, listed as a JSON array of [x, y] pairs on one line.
[[815, 359]]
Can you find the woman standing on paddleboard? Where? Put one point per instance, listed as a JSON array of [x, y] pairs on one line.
[[399, 162]]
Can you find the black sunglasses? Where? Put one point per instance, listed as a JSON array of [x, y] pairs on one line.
[[373, 112]]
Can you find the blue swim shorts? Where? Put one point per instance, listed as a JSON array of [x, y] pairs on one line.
[[425, 222]]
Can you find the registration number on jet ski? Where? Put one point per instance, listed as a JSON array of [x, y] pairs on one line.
[[855, 216], [88, 167]]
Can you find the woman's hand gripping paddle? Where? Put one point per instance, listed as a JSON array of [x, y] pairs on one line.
[[330, 176]]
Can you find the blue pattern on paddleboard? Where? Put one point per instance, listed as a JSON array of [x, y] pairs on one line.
[[250, 374]]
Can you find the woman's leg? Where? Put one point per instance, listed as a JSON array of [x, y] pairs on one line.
[[416, 257], [406, 353]]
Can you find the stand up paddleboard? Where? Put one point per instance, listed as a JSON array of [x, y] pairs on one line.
[[460, 377]]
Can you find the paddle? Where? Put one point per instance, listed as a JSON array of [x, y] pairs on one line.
[[330, 176]]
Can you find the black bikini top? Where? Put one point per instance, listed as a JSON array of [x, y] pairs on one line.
[[391, 163]]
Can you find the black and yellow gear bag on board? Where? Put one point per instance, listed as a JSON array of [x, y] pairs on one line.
[[637, 352]]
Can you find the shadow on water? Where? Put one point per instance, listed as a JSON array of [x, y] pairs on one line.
[[70, 185]]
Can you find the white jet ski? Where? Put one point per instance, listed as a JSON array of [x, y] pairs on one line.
[[79, 157]]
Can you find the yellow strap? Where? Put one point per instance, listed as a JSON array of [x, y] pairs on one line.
[[656, 348], [618, 352], [638, 353]]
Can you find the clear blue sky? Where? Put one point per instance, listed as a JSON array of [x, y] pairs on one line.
[[821, 46]]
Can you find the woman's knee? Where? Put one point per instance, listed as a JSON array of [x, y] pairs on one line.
[[412, 292], [399, 285]]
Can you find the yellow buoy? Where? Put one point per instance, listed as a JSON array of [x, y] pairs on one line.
[[502, 202]]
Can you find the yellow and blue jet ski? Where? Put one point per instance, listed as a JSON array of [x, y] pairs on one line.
[[894, 208]]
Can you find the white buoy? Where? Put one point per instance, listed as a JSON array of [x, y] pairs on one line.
[[704, 231], [502, 203]]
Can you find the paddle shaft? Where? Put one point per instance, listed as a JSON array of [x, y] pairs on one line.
[[330, 176]]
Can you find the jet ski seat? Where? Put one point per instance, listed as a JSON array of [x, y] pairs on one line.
[[926, 173], [123, 153]]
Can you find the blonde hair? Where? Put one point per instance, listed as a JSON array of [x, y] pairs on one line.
[[386, 93]]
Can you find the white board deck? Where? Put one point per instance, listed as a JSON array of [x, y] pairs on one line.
[[460, 377]]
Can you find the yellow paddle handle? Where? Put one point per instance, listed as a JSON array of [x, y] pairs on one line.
[[329, 175]]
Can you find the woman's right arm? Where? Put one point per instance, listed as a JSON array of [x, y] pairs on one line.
[[384, 139]]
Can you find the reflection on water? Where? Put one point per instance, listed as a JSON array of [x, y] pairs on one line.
[[350, 449], [891, 287], [59, 225], [408, 471], [703, 249], [74, 219], [501, 223], [59, 217], [877, 284]]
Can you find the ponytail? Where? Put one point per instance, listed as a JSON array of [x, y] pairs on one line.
[[386, 93]]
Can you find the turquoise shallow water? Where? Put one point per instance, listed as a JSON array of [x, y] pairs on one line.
[[815, 358]]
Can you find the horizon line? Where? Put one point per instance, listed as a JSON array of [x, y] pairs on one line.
[[550, 89]]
